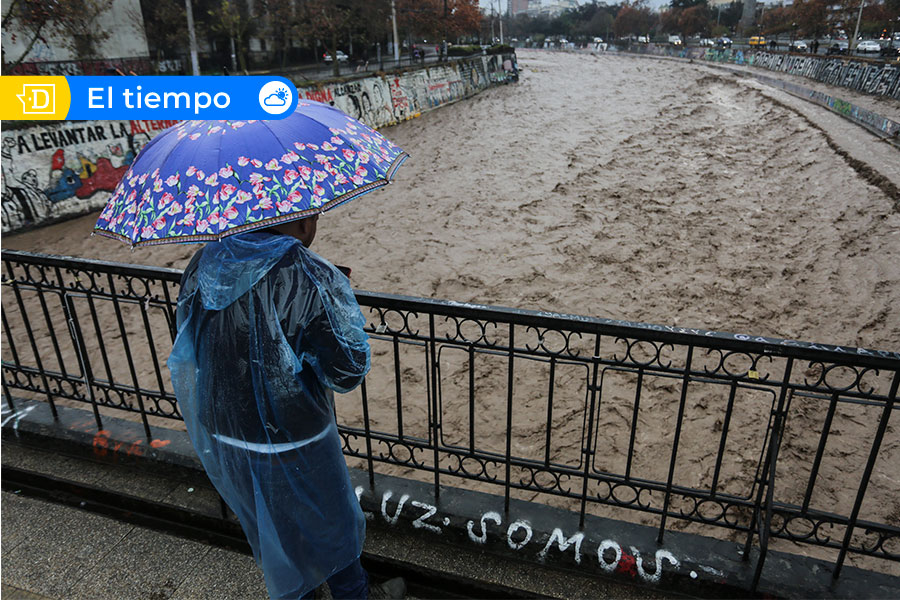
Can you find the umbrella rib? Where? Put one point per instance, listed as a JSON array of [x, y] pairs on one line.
[[218, 196]]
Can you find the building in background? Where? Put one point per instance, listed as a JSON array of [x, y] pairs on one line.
[[121, 36], [531, 8], [557, 7]]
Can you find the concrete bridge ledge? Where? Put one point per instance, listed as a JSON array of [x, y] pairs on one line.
[[529, 539]]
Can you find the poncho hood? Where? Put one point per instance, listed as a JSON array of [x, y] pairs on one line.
[[229, 268]]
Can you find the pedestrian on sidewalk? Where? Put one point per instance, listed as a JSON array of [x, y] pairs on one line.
[[267, 332]]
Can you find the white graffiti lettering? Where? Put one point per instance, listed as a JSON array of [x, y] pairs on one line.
[[605, 545], [10, 415], [384, 500], [488, 516], [657, 572], [563, 543], [359, 492], [513, 528], [429, 512]]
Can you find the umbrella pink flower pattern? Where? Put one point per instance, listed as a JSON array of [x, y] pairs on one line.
[[201, 180]]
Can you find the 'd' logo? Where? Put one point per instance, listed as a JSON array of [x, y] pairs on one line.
[[38, 98]]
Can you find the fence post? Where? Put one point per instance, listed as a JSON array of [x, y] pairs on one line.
[[870, 464]]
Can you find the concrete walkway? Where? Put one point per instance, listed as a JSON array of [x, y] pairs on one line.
[[60, 552], [54, 551]]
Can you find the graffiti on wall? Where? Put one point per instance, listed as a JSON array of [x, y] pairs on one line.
[[58, 171], [607, 555], [880, 79], [62, 170], [379, 101]]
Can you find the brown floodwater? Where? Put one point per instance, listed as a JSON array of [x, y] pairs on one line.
[[637, 189]]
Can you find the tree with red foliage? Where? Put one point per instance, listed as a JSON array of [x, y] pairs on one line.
[[694, 20], [328, 20], [634, 18], [811, 17]]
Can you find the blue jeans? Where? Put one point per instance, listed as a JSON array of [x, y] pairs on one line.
[[351, 583]]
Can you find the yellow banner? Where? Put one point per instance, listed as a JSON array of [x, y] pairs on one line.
[[34, 97]]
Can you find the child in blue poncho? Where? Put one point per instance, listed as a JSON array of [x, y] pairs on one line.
[[267, 332]]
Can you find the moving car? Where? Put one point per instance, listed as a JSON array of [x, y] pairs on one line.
[[707, 42], [867, 46], [340, 56], [757, 41], [723, 42], [675, 40], [799, 46]]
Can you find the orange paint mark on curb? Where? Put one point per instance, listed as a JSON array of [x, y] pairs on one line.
[[160, 443]]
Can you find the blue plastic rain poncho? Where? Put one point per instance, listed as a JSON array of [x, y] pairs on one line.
[[266, 330]]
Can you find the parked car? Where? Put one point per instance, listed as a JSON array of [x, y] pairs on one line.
[[838, 47], [799, 46], [643, 39], [340, 56], [891, 50], [867, 46], [757, 41]]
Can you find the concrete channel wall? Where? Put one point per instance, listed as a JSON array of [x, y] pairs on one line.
[[868, 76], [54, 171]]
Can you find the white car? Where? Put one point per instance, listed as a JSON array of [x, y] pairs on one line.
[[675, 40], [340, 56], [799, 46], [868, 46]]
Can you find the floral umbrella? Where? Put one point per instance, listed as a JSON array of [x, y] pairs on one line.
[[202, 180]]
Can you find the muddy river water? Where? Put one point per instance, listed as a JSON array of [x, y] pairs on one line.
[[637, 189]]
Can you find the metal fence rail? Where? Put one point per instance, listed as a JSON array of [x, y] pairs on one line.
[[523, 400]]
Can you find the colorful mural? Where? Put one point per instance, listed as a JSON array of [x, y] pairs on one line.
[[61, 170], [57, 171]]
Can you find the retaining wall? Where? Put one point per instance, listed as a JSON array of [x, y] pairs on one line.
[[59, 170], [870, 77]]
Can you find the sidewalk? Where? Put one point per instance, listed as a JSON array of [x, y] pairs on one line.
[[52, 551], [57, 552]]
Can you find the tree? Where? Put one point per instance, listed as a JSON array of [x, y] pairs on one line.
[[165, 24], [232, 18], [777, 20], [329, 20], [668, 20], [462, 17], [694, 20], [634, 19], [811, 16], [72, 22], [280, 25]]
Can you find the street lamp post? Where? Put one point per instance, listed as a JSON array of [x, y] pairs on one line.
[[856, 32], [192, 38], [396, 46]]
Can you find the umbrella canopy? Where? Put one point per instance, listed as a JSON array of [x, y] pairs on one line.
[[202, 180]]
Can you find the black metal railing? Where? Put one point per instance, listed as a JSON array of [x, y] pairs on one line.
[[764, 437]]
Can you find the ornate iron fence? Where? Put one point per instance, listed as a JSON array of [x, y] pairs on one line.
[[768, 438]]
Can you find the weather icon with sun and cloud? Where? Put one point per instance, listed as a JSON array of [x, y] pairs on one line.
[[275, 98]]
